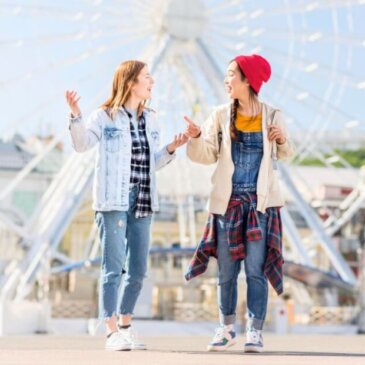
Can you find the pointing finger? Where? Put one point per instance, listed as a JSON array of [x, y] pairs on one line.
[[189, 121]]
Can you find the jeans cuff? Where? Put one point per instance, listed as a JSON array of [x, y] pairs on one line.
[[125, 312], [255, 323], [226, 320], [105, 315]]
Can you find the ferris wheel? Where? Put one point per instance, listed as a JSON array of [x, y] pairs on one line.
[[316, 49]]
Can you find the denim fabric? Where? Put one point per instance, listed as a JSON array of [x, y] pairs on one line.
[[247, 153], [113, 156], [228, 270], [124, 243]]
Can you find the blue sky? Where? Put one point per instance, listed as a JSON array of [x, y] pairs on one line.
[[316, 49]]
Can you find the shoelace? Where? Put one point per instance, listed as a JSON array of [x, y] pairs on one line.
[[131, 334], [255, 335], [219, 334]]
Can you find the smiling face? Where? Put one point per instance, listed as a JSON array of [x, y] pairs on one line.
[[236, 86], [142, 87]]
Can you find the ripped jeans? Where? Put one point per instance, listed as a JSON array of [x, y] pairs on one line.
[[124, 243]]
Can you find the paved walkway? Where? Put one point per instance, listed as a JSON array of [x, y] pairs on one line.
[[176, 350]]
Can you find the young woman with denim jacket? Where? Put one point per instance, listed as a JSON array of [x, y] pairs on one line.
[[244, 138], [124, 191]]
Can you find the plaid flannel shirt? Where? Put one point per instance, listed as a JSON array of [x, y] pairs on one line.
[[140, 168], [240, 233]]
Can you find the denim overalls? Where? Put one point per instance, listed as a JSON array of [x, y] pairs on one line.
[[247, 152]]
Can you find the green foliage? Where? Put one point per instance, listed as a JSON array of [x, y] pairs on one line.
[[355, 158]]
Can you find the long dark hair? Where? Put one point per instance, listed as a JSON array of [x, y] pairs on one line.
[[234, 106]]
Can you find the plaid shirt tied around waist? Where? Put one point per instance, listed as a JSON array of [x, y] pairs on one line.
[[243, 229]]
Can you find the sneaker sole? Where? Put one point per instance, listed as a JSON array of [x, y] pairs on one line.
[[211, 348], [253, 349], [111, 348], [139, 347]]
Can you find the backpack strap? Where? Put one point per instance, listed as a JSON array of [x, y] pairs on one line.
[[274, 147]]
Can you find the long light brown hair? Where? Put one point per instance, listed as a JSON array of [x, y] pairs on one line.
[[253, 95], [125, 76]]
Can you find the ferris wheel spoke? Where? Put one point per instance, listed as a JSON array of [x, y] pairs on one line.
[[62, 13], [314, 148], [229, 19], [304, 94], [80, 57], [74, 36], [304, 37], [55, 97], [224, 5], [303, 64], [218, 53], [305, 7], [41, 11]]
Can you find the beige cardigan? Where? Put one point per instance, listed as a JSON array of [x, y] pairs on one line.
[[205, 150]]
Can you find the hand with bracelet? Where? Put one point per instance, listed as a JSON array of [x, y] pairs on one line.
[[72, 100], [192, 129]]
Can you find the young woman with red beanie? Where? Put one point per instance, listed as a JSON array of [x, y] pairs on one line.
[[245, 138]]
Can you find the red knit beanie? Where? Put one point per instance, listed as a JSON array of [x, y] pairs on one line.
[[256, 68]]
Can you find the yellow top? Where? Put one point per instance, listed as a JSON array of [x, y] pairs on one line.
[[246, 123]]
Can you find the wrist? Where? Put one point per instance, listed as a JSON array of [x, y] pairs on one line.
[[75, 113], [198, 135], [281, 141], [170, 149]]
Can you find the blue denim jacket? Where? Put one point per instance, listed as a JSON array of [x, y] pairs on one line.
[[113, 156]]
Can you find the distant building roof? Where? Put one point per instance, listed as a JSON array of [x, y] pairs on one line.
[[12, 156], [317, 182], [17, 152]]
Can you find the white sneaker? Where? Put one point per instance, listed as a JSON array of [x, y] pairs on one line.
[[254, 341], [130, 335], [117, 342], [222, 340]]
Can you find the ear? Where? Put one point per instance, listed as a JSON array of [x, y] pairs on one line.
[[245, 81]]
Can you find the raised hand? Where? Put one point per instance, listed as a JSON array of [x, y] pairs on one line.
[[72, 100], [192, 130], [179, 140], [276, 134]]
